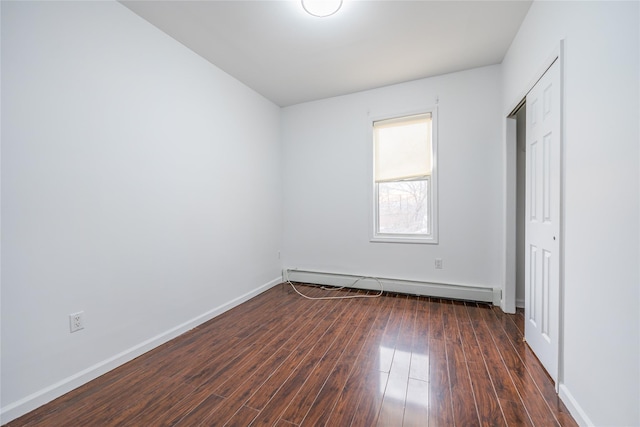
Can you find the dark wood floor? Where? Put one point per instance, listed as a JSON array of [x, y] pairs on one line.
[[279, 359]]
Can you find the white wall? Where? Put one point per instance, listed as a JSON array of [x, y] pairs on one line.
[[601, 373], [327, 177], [140, 184]]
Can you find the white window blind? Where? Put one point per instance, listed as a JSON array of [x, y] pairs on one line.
[[402, 148]]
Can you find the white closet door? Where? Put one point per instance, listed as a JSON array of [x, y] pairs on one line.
[[542, 229]]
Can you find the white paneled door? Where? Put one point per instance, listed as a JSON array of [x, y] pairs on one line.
[[542, 230]]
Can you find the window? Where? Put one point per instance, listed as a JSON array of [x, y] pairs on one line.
[[404, 169]]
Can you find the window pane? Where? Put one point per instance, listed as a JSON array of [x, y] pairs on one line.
[[403, 207]]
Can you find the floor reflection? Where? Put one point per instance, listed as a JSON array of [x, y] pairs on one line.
[[395, 381]]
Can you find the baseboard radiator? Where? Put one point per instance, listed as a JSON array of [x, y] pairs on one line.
[[411, 287]]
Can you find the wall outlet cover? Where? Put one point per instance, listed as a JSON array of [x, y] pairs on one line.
[[76, 321]]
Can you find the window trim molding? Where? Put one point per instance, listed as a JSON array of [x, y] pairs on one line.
[[376, 237]]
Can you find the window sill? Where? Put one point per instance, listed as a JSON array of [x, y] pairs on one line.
[[404, 239]]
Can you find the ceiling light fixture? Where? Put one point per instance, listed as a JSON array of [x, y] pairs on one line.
[[321, 8]]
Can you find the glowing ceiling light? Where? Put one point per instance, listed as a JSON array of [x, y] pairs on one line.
[[321, 8]]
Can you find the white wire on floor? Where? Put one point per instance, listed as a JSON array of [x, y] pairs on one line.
[[286, 278]]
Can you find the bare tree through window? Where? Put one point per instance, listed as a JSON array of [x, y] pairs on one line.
[[403, 207]]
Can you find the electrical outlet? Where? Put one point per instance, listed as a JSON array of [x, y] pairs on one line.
[[76, 321], [439, 263]]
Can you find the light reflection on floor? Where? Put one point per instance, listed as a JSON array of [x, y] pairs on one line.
[[401, 394]]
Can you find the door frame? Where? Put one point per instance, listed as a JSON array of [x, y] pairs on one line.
[[508, 303]]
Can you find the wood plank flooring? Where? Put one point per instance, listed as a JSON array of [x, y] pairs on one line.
[[281, 360]]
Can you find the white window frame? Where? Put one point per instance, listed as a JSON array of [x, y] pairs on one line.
[[432, 237]]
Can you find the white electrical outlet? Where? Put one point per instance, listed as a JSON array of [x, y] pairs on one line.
[[439, 263], [76, 321]]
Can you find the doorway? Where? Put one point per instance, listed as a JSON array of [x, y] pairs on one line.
[[520, 117], [534, 215]]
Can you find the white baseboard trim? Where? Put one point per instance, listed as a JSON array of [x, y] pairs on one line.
[[574, 408], [47, 394], [412, 287], [520, 302]]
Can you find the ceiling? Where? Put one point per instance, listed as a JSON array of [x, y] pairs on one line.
[[291, 57]]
